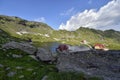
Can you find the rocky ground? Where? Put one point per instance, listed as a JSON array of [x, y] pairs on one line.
[[98, 63], [104, 64]]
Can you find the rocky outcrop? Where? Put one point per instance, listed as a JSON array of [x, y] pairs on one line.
[[105, 64], [26, 47], [38, 53]]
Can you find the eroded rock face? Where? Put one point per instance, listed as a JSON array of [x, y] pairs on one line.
[[100, 63], [22, 46]]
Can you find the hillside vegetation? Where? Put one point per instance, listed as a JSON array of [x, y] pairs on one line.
[[18, 65], [40, 32]]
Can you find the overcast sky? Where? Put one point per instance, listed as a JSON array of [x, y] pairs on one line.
[[66, 14]]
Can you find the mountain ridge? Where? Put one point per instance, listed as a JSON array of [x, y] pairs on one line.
[[41, 32]]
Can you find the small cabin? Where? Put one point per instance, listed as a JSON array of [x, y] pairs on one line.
[[100, 47], [84, 42], [62, 47]]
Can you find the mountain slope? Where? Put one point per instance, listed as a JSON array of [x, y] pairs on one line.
[[111, 39], [41, 32], [15, 24]]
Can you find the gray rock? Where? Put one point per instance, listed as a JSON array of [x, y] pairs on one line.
[[16, 56], [21, 76], [8, 68], [44, 78], [1, 31], [1, 65], [19, 67], [22, 46], [29, 69], [40, 53], [34, 73], [11, 74], [44, 54], [4, 49], [68, 63], [100, 64]]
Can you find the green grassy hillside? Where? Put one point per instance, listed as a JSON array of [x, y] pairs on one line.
[[23, 67], [15, 24], [41, 32]]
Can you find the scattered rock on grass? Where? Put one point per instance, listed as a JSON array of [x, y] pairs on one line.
[[1, 65], [16, 56], [22, 46], [21, 76], [19, 67], [29, 69], [11, 74], [45, 77]]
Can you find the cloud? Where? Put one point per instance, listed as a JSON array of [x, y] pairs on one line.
[[68, 12], [41, 19], [107, 17]]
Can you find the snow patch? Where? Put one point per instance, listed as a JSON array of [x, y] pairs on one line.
[[22, 32], [18, 33], [56, 39], [46, 35]]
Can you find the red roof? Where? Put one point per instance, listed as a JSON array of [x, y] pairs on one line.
[[62, 47], [100, 45]]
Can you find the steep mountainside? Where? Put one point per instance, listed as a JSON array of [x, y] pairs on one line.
[[41, 32], [17, 25]]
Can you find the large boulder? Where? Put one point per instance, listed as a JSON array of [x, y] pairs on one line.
[[37, 53], [44, 55], [91, 63], [68, 63], [22, 46]]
